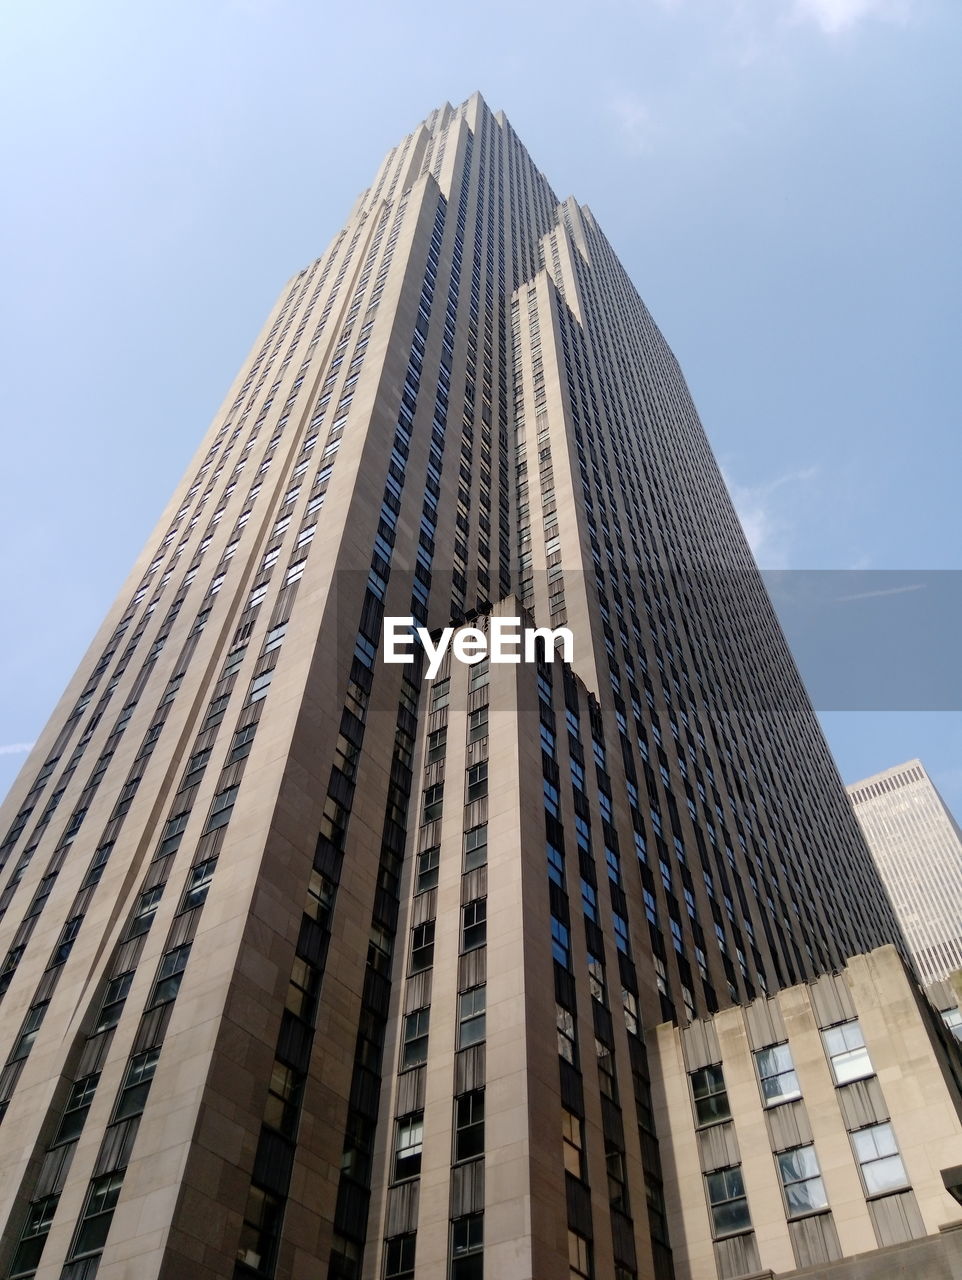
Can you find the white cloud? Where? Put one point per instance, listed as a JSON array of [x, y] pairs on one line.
[[633, 122], [833, 16], [764, 515], [16, 748]]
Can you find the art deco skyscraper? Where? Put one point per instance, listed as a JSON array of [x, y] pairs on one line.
[[311, 967], [918, 848]]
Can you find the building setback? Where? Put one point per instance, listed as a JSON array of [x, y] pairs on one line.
[[311, 967], [812, 1129], [917, 846]]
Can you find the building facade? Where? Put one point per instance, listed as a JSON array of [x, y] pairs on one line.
[[311, 966], [917, 846], [809, 1133]]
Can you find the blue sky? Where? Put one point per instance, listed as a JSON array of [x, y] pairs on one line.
[[780, 177]]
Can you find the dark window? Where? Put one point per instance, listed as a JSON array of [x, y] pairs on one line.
[[114, 998], [78, 1104], [477, 781], [471, 1017], [198, 883], [136, 1086], [258, 1236], [467, 1247], [476, 847], [169, 975], [428, 862], [145, 911], [728, 1202], [408, 1140], [34, 1237], [469, 1125], [422, 946], [474, 924], [415, 1049], [29, 1031], [101, 1201], [710, 1095], [399, 1258]]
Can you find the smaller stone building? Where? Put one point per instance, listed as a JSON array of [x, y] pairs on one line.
[[817, 1132]]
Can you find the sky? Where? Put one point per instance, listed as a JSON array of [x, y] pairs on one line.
[[781, 179]]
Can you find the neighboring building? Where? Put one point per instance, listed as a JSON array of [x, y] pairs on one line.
[[311, 967], [917, 846], [812, 1127]]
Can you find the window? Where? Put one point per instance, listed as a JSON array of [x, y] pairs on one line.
[[565, 1021], [143, 917], [478, 675], [428, 863], [78, 1104], [408, 1139], [198, 882], [437, 742], [101, 1201], [241, 744], [475, 847], [471, 1017], [433, 798], [440, 694], [283, 1098], [415, 1049], [573, 1143], [560, 943], [259, 686], [953, 1020], [34, 1237], [878, 1156], [422, 946], [274, 637], [399, 1257], [133, 1095], [477, 724], [262, 1217], [579, 1257], [467, 1247], [114, 998], [596, 978], [606, 1070], [710, 1095], [477, 781], [727, 1202], [469, 1125], [474, 925], [776, 1074], [169, 976], [220, 810], [801, 1181], [845, 1046]]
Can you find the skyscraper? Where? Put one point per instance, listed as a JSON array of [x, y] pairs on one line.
[[918, 848], [312, 966]]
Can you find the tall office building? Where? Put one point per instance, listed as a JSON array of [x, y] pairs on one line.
[[312, 966], [917, 846]]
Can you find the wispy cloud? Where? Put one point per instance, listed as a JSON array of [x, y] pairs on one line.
[[834, 16], [884, 591], [831, 17], [633, 122], [764, 515], [16, 748]]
